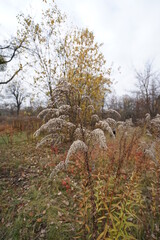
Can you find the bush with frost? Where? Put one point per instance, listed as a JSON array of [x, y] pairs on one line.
[[153, 125], [71, 118], [102, 191]]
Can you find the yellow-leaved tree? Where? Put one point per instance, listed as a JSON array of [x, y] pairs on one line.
[[42, 39], [83, 65], [74, 55]]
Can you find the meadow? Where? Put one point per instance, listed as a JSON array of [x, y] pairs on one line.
[[122, 200], [88, 166]]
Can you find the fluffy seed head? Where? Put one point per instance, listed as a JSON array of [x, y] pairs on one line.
[[98, 137]]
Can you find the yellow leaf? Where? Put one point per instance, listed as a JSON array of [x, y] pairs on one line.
[[39, 220], [88, 229], [100, 236]]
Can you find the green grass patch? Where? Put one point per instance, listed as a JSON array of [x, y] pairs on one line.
[[15, 139]]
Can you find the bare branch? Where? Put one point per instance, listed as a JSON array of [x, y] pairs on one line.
[[15, 49], [12, 77]]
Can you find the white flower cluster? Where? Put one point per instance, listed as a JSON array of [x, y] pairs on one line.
[[57, 169], [64, 109], [54, 125], [94, 119], [156, 121], [121, 125], [112, 111], [51, 139], [48, 113], [150, 151], [77, 145], [45, 140], [59, 113], [64, 117], [43, 113], [112, 123], [53, 113], [58, 116], [148, 133], [60, 93], [129, 122], [98, 137], [105, 127], [154, 125], [147, 117], [82, 134]]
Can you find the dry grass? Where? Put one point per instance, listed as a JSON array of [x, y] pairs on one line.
[[34, 207]]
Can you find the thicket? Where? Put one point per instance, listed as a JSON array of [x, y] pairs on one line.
[[104, 191], [107, 183]]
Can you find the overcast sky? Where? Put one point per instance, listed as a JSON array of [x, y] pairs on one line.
[[129, 29]]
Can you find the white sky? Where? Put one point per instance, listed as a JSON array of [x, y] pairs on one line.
[[129, 29]]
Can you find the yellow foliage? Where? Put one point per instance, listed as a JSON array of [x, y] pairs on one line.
[[84, 65]]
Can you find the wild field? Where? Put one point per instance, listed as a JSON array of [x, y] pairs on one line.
[[114, 195], [79, 120]]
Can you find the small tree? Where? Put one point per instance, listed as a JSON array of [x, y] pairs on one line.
[[8, 54], [17, 92], [66, 120], [148, 84], [42, 39], [84, 65], [74, 55]]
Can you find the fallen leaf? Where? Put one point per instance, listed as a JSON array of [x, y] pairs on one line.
[[44, 212], [31, 214], [39, 220]]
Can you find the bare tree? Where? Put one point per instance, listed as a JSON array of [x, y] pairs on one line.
[[17, 92], [9, 52], [148, 84]]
